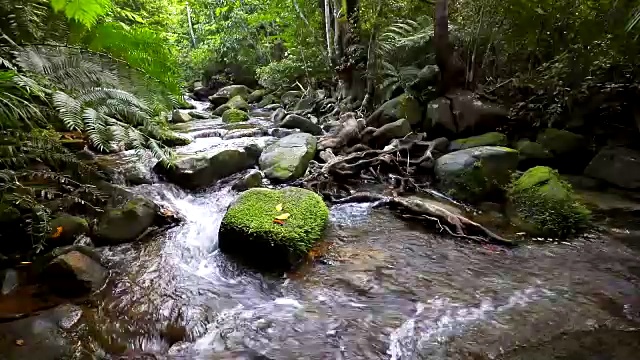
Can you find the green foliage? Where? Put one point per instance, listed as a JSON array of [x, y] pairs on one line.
[[86, 12]]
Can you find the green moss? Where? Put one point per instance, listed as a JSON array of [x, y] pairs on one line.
[[488, 139], [234, 116], [561, 141], [171, 139], [237, 102], [256, 96], [267, 100], [254, 211], [72, 226], [545, 205]]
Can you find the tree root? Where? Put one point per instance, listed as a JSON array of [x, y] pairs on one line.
[[453, 224]]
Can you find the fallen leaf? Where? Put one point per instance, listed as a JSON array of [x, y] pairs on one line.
[[58, 232], [19, 342], [284, 216], [276, 221], [279, 207]]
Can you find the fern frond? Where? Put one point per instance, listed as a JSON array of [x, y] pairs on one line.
[[70, 111]]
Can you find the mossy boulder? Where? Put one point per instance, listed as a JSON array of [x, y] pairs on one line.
[[172, 139], [197, 171], [289, 157], [401, 107], [249, 232], [394, 130], [488, 139], [290, 98], [219, 111], [532, 154], [232, 91], [544, 205], [252, 179], [476, 174], [237, 102], [267, 100], [570, 151], [256, 96], [126, 223], [66, 228], [179, 116], [234, 116], [196, 114]]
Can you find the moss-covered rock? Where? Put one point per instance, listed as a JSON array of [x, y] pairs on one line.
[[488, 139], [249, 232], [544, 205], [293, 121], [532, 154], [252, 179], [234, 90], [172, 139], [125, 223], [66, 228], [289, 157], [179, 116], [237, 102], [234, 116], [196, 114], [401, 107], [267, 100], [290, 98], [256, 96], [219, 111], [561, 142], [476, 174]]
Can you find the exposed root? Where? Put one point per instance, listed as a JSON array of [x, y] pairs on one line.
[[452, 223]]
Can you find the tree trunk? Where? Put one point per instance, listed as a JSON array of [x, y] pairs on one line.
[[452, 68], [350, 54], [193, 36], [367, 103], [327, 27]]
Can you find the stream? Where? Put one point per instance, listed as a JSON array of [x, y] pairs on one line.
[[385, 289]]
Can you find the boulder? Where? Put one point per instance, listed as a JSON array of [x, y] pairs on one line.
[[237, 102], [293, 121], [427, 79], [401, 107], [65, 229], [9, 281], [178, 116], [261, 113], [394, 130], [473, 116], [476, 174], [173, 139], [562, 142], [281, 132], [202, 93], [252, 179], [248, 230], [306, 104], [616, 165], [273, 107], [125, 223], [218, 100], [199, 114], [239, 133], [267, 100], [219, 111], [532, 154], [488, 139], [232, 91], [289, 157], [278, 116], [196, 171], [290, 98], [256, 96], [544, 205], [74, 274], [234, 116]]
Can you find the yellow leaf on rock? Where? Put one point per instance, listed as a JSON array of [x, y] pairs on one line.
[[58, 232], [284, 216], [19, 342], [279, 207]]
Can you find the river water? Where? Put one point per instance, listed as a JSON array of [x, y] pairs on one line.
[[385, 289]]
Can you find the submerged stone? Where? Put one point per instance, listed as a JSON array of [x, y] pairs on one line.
[[125, 223], [248, 230]]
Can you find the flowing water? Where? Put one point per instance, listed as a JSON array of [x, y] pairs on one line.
[[385, 289]]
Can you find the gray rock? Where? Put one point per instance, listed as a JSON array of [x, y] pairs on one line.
[[476, 173], [268, 100], [234, 90], [238, 102], [239, 133], [488, 139], [72, 227], [199, 114], [256, 96], [261, 113], [221, 109], [281, 132], [616, 165], [561, 142], [472, 115], [74, 274], [278, 116], [272, 107], [125, 223], [205, 169], [9, 280], [179, 116], [289, 157], [532, 154], [252, 179], [294, 121], [290, 98], [402, 107], [394, 130], [218, 100], [306, 104]]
